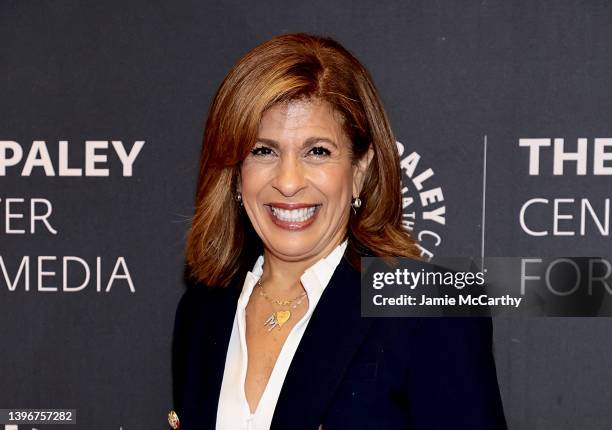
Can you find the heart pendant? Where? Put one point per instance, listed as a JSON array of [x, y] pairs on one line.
[[282, 317]]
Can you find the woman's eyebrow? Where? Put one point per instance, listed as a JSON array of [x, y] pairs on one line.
[[309, 141], [271, 142], [315, 139]]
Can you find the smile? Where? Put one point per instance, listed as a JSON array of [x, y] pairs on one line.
[[293, 214], [293, 217]]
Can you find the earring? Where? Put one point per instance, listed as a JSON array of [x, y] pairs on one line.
[[356, 204], [239, 198]]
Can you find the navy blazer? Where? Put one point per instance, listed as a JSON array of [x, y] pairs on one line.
[[348, 372]]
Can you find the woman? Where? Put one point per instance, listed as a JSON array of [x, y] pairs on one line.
[[299, 177]]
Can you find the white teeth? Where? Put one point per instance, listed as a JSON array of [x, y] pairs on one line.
[[294, 215]]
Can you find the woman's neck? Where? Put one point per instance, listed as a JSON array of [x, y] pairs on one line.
[[281, 277]]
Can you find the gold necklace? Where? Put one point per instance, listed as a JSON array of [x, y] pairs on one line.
[[278, 318]]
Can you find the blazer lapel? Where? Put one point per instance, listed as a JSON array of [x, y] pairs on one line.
[[332, 337]]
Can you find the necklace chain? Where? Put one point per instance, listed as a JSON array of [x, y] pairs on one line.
[[275, 301], [278, 318]]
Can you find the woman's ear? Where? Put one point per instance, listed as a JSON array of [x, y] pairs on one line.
[[359, 170]]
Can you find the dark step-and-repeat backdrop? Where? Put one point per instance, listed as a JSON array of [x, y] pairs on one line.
[[503, 115]]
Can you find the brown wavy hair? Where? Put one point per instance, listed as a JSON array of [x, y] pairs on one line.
[[221, 242]]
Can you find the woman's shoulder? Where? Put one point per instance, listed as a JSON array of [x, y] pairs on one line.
[[198, 296], [456, 329], [424, 336]]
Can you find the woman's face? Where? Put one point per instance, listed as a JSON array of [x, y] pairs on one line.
[[298, 181]]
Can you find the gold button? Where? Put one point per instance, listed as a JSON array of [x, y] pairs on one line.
[[173, 420]]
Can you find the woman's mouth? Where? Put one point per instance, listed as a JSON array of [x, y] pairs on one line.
[[293, 217]]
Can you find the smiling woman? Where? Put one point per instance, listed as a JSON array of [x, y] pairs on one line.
[[299, 178]]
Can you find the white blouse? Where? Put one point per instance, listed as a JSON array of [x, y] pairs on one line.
[[233, 412]]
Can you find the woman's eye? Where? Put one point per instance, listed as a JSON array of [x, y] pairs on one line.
[[261, 150], [320, 151]]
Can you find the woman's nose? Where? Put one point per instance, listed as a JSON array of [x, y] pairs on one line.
[[289, 176]]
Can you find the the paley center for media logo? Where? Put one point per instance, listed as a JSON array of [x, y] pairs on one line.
[[423, 205]]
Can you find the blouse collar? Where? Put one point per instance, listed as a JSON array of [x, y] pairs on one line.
[[314, 279]]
